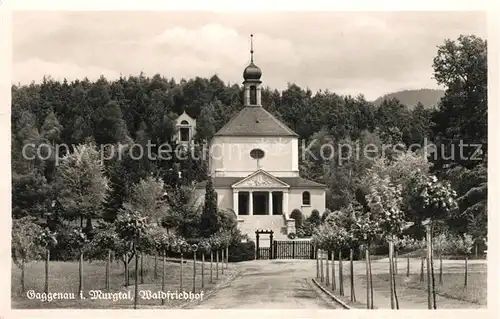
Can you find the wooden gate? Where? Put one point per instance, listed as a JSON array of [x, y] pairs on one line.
[[293, 249]]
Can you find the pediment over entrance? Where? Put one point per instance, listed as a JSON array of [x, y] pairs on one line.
[[260, 179]]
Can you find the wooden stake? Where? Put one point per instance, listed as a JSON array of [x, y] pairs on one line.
[[429, 256], [125, 273], [367, 265], [317, 263], [47, 258], [163, 274], [466, 272], [353, 293], [211, 266], [341, 275], [108, 271], [407, 266], [181, 273], [194, 272], [391, 272], [202, 270], [23, 288], [440, 269], [222, 261], [217, 265], [395, 262], [371, 279], [136, 274], [80, 274], [155, 273], [334, 284], [321, 263], [422, 269], [142, 269], [327, 271]]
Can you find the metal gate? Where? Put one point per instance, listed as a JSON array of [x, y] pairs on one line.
[[293, 249]]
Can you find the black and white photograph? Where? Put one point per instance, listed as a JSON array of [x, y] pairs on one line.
[[249, 160]]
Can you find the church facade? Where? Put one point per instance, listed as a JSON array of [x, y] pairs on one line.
[[254, 165]]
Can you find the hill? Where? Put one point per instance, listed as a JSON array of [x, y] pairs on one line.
[[428, 97]]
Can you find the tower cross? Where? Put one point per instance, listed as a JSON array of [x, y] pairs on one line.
[[251, 48]]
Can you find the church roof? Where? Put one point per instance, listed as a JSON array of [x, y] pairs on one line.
[[294, 182], [255, 121]]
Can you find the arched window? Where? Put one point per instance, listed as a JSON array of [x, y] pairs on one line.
[[306, 199], [184, 122], [185, 134], [253, 95]]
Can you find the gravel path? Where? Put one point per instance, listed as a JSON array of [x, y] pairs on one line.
[[271, 284]]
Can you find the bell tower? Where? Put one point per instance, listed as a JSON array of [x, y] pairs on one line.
[[252, 82]]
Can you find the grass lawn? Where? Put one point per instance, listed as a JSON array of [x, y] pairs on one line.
[[63, 278], [452, 286]]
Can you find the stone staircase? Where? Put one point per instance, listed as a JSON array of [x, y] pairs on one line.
[[281, 225], [249, 224]]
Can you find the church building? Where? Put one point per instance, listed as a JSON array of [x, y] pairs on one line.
[[254, 165]]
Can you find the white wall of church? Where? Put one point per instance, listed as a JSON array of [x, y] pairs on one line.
[[230, 156], [224, 197], [317, 201]]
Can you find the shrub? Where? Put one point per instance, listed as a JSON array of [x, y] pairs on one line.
[[227, 218], [315, 218], [305, 230], [291, 236], [325, 215], [297, 215], [241, 251]]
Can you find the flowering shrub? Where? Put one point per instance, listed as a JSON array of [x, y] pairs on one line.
[[77, 239], [305, 230], [430, 198], [24, 235], [215, 242], [366, 230], [204, 245], [385, 200], [46, 238], [180, 245], [130, 222], [103, 240]]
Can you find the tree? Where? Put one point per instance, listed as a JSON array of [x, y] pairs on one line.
[[24, 246], [147, 197], [209, 221], [109, 125], [81, 184], [461, 66], [182, 215], [205, 124]]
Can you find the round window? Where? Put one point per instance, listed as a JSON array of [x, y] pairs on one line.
[[256, 153]]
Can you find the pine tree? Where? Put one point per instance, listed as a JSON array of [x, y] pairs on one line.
[[209, 223]]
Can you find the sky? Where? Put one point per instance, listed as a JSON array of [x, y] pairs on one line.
[[347, 53]]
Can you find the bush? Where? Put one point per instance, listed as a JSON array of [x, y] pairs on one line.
[[242, 251], [64, 250], [315, 218], [298, 216], [325, 215], [306, 230]]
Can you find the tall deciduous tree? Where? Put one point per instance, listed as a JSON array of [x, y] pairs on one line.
[[81, 184], [147, 197], [461, 66]]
